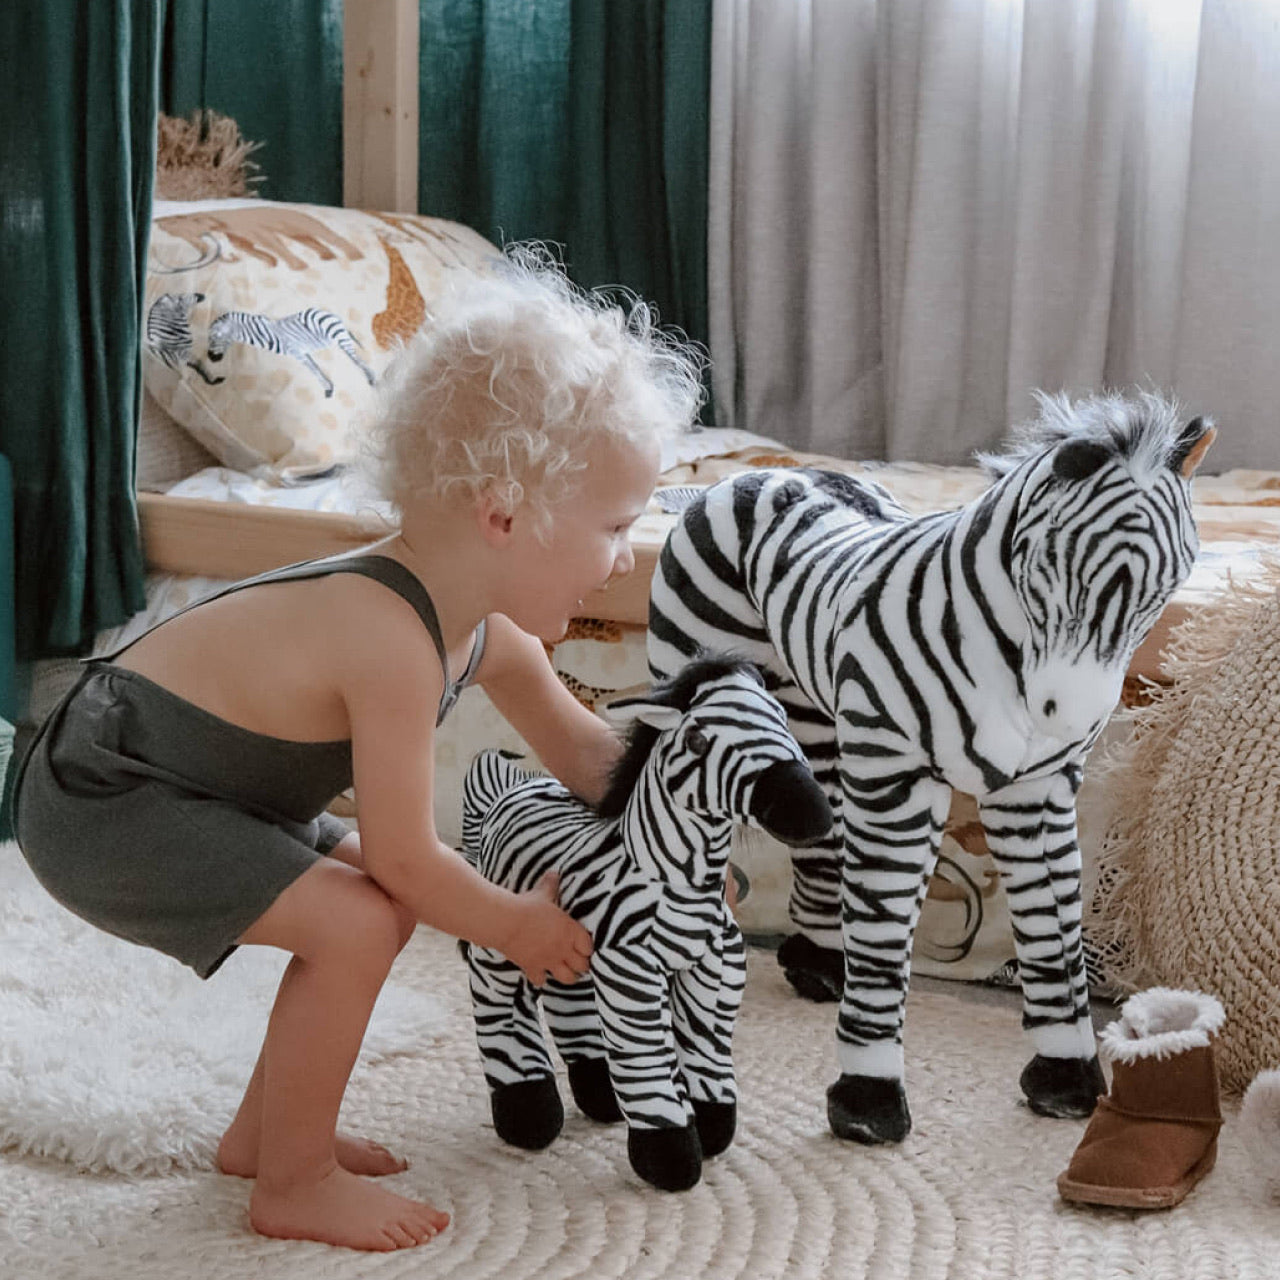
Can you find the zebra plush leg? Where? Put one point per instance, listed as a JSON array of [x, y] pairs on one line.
[[705, 999], [570, 1010], [893, 827], [1031, 832], [813, 958], [631, 995], [525, 1103]]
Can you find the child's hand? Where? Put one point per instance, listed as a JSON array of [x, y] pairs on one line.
[[545, 941]]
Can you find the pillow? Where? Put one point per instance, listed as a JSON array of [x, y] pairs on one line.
[[166, 453], [267, 325]]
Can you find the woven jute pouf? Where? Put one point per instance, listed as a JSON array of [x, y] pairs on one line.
[[1188, 873]]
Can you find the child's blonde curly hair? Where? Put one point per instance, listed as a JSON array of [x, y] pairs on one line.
[[507, 389]]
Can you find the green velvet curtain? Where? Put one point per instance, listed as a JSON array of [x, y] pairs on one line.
[[8, 664], [77, 157], [273, 66], [582, 122]]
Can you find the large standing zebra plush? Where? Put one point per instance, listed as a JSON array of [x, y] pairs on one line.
[[648, 1030], [981, 649], [296, 335]]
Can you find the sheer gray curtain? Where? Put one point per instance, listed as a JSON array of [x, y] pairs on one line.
[[920, 210]]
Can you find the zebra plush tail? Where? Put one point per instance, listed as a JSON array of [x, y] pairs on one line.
[[490, 776]]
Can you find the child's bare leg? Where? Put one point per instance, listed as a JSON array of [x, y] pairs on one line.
[[345, 934], [238, 1150]]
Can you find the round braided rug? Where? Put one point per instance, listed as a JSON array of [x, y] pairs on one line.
[[1188, 876], [970, 1194]]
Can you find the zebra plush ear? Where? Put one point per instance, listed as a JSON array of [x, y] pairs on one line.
[[1079, 459], [622, 712], [1192, 445]]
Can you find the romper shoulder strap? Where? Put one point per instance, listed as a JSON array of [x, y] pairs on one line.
[[393, 575], [390, 573]]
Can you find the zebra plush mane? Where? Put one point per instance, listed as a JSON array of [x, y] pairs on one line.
[[1147, 431], [679, 692]]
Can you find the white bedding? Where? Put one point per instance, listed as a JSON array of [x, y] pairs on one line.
[[346, 490]]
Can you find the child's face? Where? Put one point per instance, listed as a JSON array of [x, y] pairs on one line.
[[588, 541]]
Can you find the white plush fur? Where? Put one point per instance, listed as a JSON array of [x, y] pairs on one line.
[[1260, 1127], [1142, 430], [1161, 1022], [116, 1057]]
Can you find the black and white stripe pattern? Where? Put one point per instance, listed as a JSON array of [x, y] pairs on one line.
[[296, 335], [168, 334], [981, 649], [646, 876]]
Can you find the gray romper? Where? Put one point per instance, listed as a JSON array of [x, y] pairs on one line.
[[164, 824]]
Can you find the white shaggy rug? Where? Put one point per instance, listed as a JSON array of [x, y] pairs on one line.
[[968, 1196], [114, 1057]]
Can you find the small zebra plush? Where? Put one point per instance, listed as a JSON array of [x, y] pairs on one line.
[[296, 335], [981, 649], [646, 1034]]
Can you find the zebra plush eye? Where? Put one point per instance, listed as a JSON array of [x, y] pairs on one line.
[[697, 741]]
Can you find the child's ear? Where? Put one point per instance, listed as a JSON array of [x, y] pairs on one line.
[[494, 519]]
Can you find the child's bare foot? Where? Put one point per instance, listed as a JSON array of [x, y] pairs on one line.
[[343, 1209], [238, 1155]]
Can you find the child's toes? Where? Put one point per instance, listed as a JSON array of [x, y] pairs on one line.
[[432, 1220], [411, 1235]]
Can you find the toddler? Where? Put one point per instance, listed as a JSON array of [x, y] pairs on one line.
[[176, 797]]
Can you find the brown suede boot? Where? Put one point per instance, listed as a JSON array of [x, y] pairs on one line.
[[1155, 1134]]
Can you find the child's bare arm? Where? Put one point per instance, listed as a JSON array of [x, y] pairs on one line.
[[575, 745], [392, 697]]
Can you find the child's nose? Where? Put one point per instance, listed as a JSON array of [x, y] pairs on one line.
[[624, 561]]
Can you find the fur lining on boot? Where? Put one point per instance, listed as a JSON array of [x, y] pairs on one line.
[[1161, 1022]]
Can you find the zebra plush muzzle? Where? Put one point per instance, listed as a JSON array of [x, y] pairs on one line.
[[790, 805], [1069, 697]]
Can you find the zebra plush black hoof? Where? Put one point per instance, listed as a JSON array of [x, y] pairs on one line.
[[868, 1109], [669, 1159], [528, 1115], [817, 973], [1063, 1088], [593, 1090], [716, 1123]]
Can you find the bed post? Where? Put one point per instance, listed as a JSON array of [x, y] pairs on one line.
[[380, 105]]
